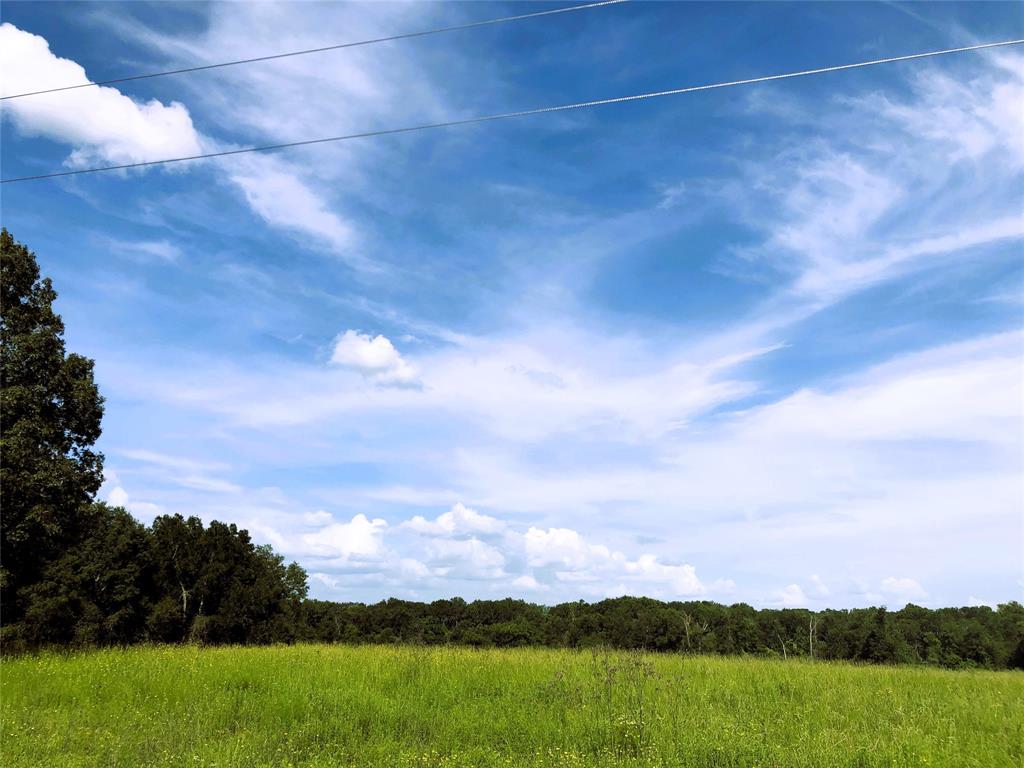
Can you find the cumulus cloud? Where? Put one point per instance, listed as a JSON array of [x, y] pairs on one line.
[[567, 555], [375, 357], [526, 581], [462, 550], [562, 547], [358, 539], [104, 125], [680, 579], [791, 597], [465, 558], [117, 496], [459, 520]]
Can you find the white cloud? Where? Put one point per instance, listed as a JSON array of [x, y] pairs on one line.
[[834, 200], [375, 358], [913, 444], [814, 449], [317, 519], [276, 191], [920, 178], [308, 191], [903, 588], [358, 539], [680, 579], [820, 588], [144, 510], [526, 581], [185, 472], [562, 547], [791, 597], [572, 559], [104, 125], [929, 395], [178, 463], [411, 567], [326, 579], [118, 496], [966, 117], [209, 484], [447, 558], [465, 558], [148, 250], [459, 520]]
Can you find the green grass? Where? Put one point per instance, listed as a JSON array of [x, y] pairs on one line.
[[394, 706]]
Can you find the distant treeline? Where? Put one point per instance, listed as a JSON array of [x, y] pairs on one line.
[[949, 637], [77, 573]]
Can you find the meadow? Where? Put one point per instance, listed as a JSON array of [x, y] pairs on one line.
[[334, 705]]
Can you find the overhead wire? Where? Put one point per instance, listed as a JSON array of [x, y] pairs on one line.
[[524, 112], [339, 46]]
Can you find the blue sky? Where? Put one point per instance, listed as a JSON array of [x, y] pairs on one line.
[[759, 344]]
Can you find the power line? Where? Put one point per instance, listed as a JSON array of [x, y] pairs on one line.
[[522, 113], [403, 36]]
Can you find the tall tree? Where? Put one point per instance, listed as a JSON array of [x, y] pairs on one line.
[[50, 410], [97, 592]]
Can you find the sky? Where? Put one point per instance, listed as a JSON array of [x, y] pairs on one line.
[[759, 344]]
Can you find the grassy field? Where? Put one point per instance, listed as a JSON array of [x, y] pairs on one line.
[[393, 706]]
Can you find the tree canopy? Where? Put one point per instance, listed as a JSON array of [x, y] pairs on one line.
[[50, 409], [75, 571]]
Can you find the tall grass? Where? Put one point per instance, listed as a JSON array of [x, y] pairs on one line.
[[399, 706]]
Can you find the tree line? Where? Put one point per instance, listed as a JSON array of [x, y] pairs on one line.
[[75, 572], [950, 637]]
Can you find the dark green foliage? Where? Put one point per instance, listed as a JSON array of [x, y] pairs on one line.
[[949, 637], [214, 585], [51, 411], [98, 592], [78, 573], [179, 580]]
